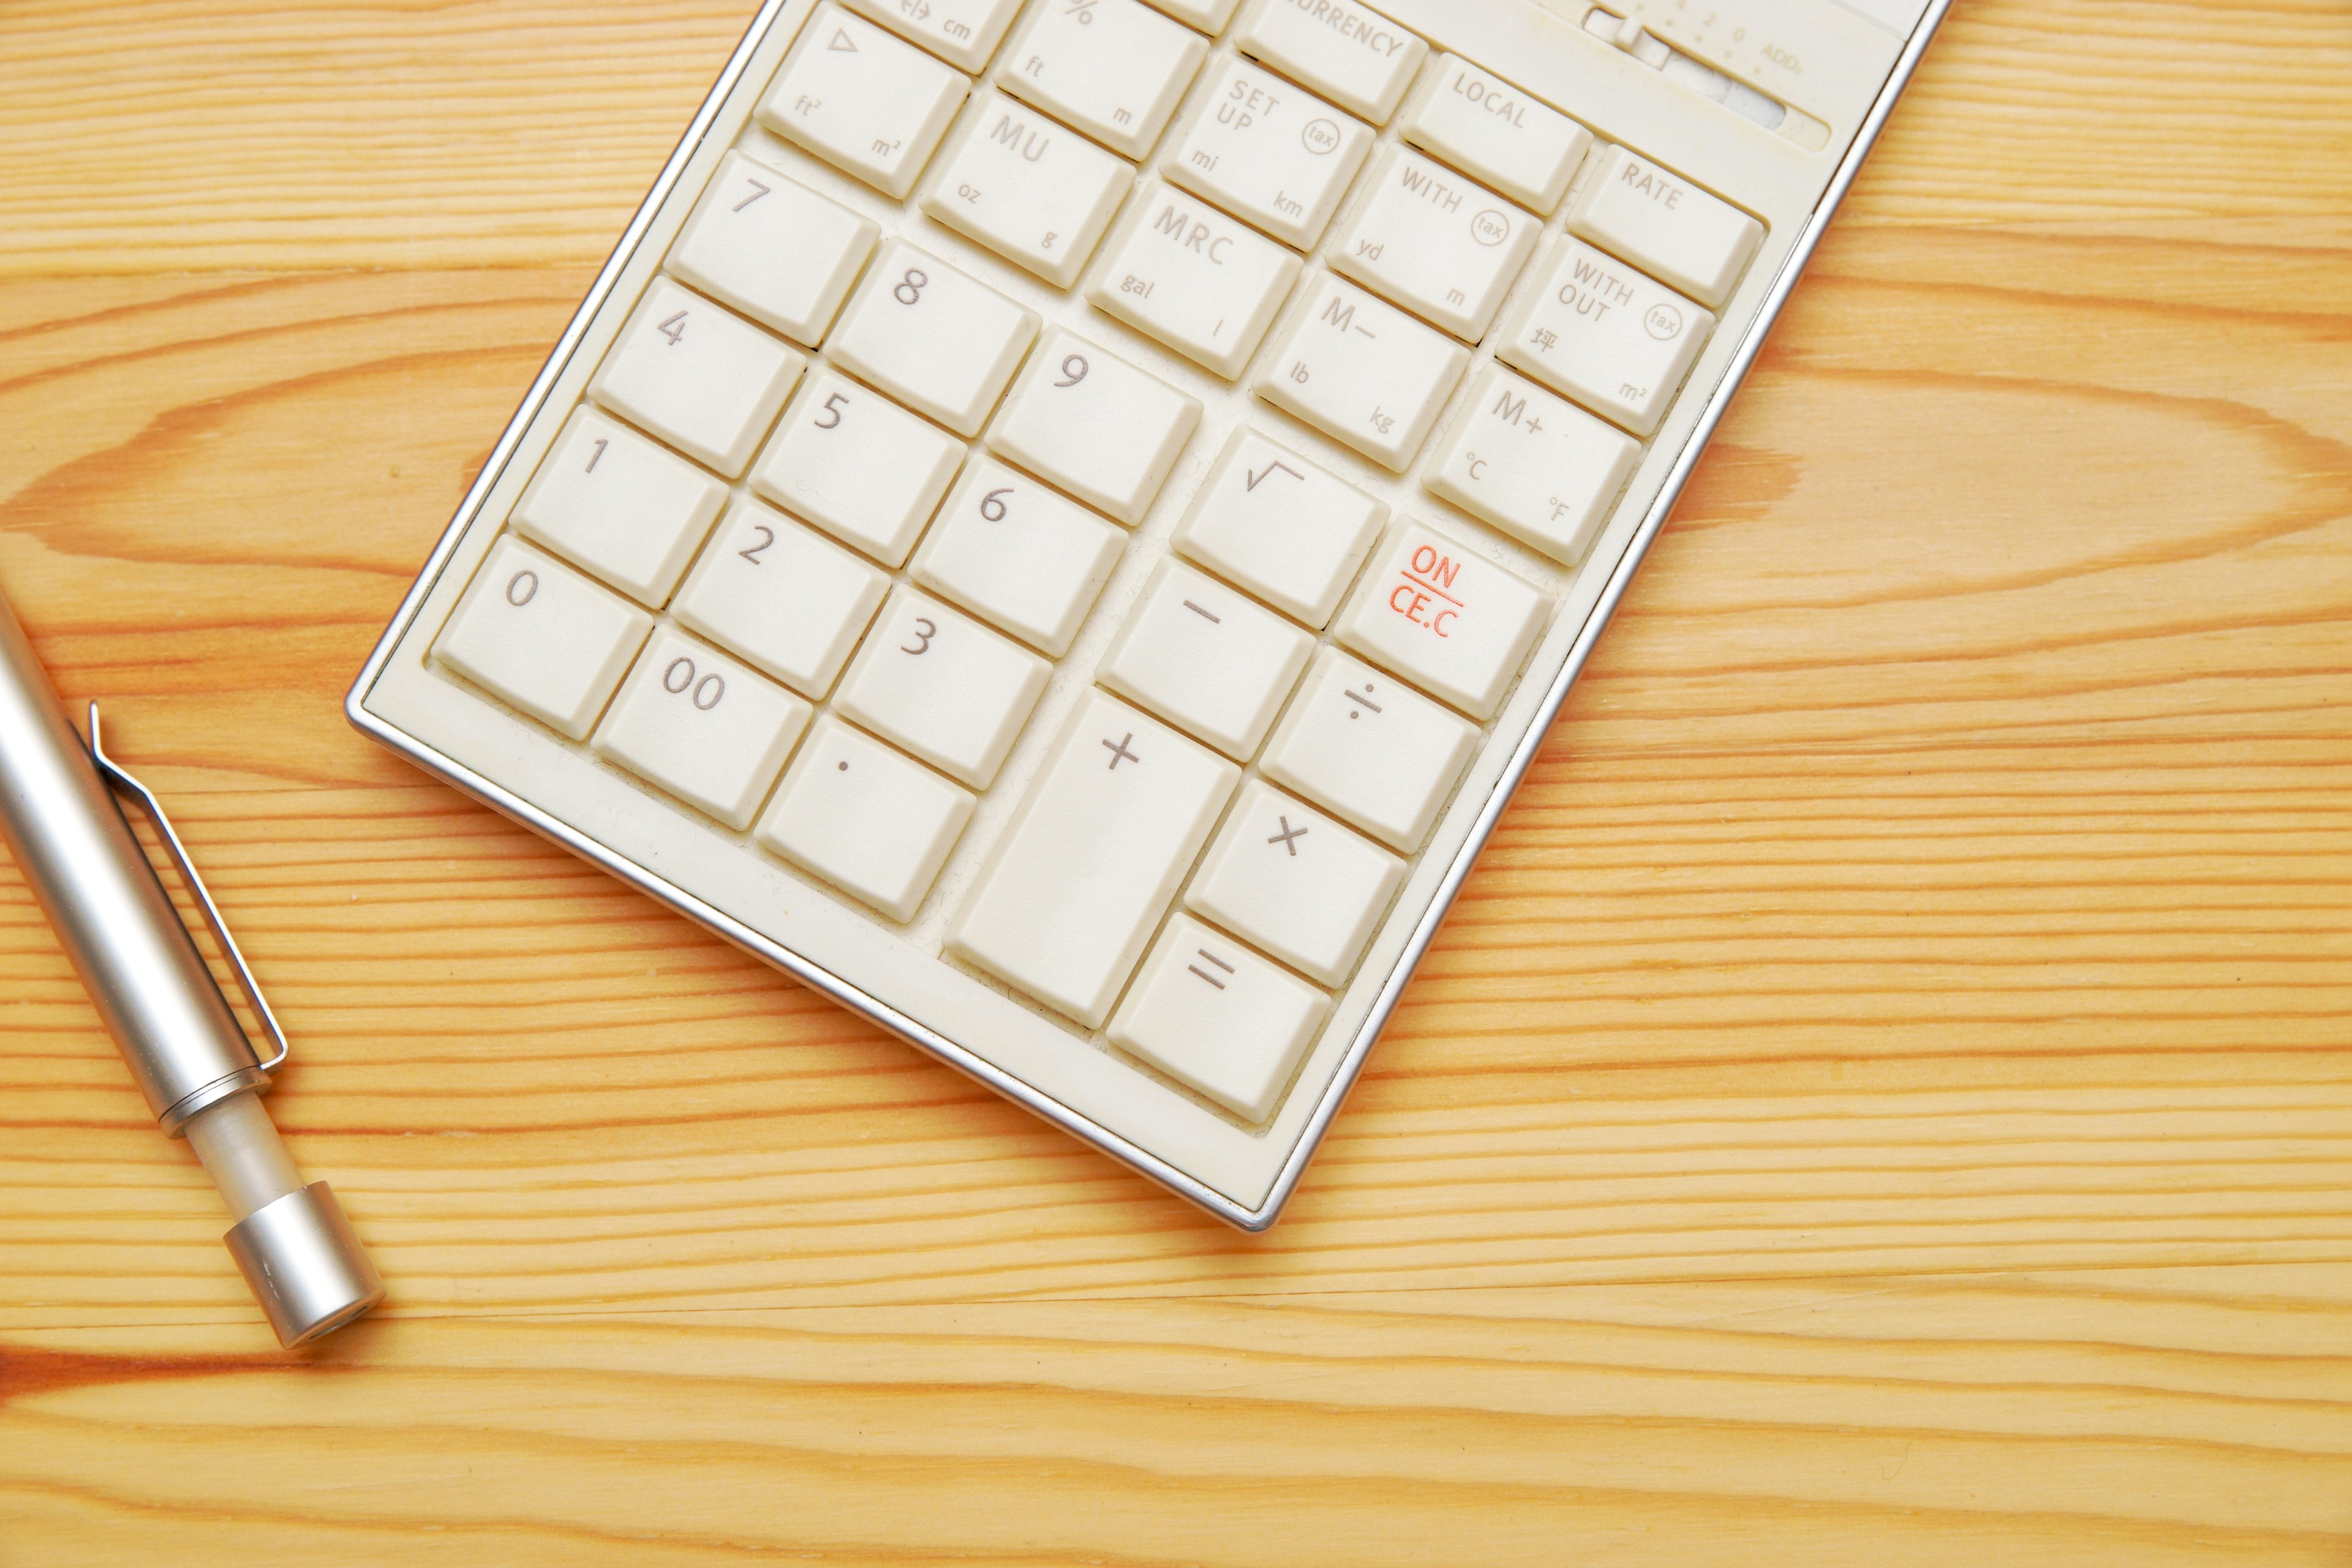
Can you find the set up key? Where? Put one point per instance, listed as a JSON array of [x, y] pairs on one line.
[[1269, 152]]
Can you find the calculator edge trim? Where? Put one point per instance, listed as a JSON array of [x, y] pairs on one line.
[[1604, 609], [839, 990]]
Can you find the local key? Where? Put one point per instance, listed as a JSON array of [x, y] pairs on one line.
[[1071, 894], [1497, 133], [1444, 618]]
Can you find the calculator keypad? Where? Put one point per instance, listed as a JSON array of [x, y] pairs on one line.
[[805, 558]]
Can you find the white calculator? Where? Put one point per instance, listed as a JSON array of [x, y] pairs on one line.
[[1063, 521]]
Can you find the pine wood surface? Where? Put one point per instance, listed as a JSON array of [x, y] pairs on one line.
[[1885, 1097]]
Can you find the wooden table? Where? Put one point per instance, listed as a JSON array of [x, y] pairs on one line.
[[1886, 1097]]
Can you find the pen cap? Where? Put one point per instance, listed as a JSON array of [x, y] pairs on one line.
[[305, 1267], [292, 1242]]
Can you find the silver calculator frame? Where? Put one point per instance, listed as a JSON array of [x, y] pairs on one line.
[[880, 1013]]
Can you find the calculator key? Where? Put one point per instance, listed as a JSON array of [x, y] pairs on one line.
[[936, 339], [1361, 371], [944, 687], [1209, 16], [859, 466], [788, 600], [863, 100], [1071, 894], [612, 501], [865, 819], [1029, 190], [1664, 226], [1114, 69], [964, 33], [702, 727], [773, 248], [1205, 284], [1268, 152], [1369, 748], [1218, 1018], [1493, 131], [1018, 557], [1444, 618], [1535, 466], [1206, 659], [1596, 330], [1281, 527], [1433, 242], [1352, 54], [700, 377], [543, 637], [1295, 882], [1094, 425]]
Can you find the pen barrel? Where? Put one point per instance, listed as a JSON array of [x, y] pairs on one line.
[[77, 852]]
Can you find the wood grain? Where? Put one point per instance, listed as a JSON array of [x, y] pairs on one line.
[[1886, 1095]]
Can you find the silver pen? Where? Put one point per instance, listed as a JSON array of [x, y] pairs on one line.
[[202, 1079]]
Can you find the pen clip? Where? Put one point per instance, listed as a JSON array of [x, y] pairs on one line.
[[124, 784]]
